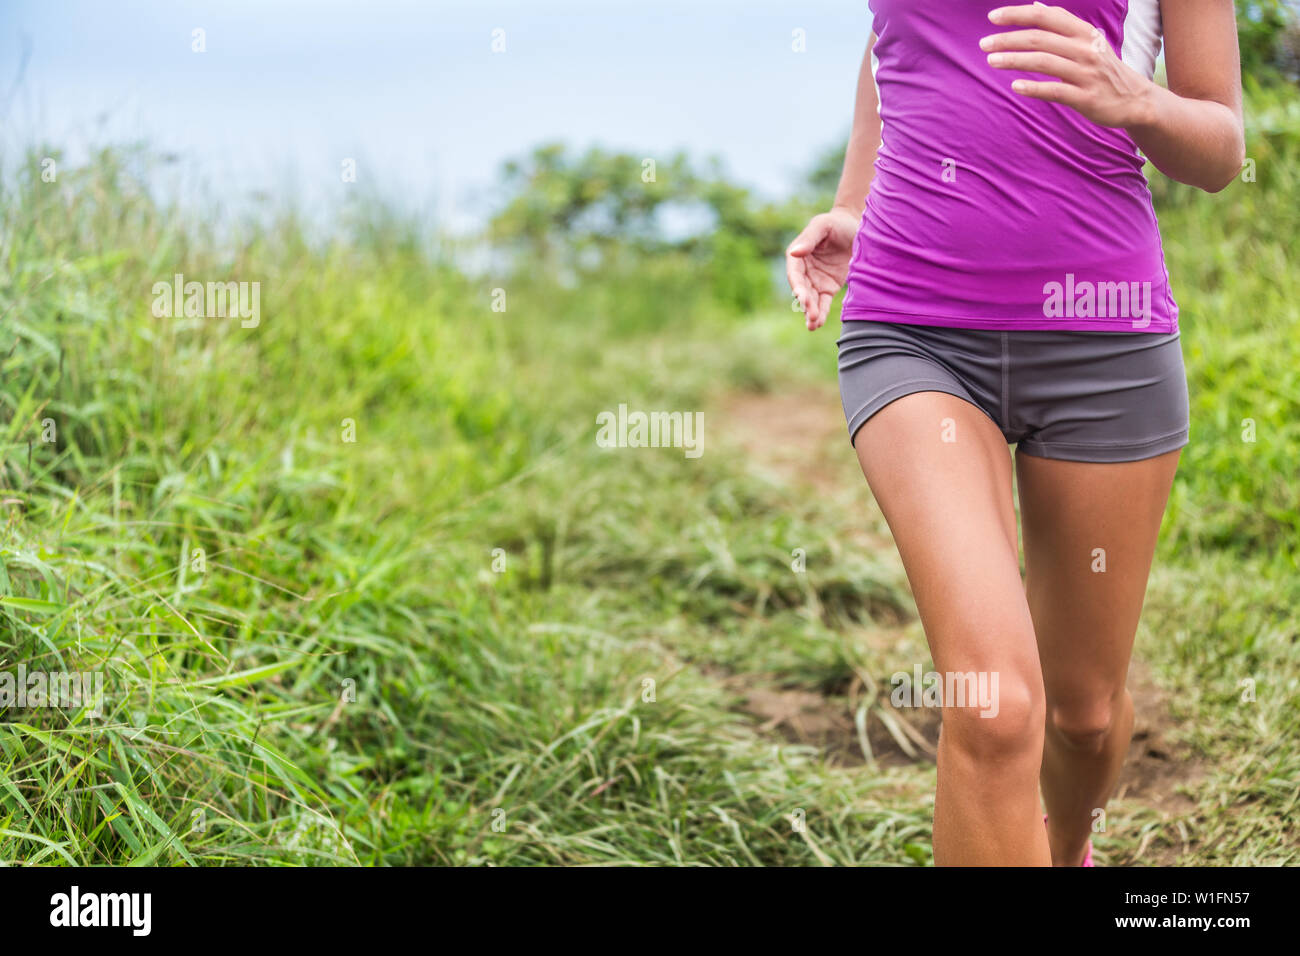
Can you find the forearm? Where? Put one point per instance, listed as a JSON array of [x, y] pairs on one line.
[[864, 142], [1198, 142]]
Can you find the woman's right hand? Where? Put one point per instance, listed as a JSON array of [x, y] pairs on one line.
[[817, 262]]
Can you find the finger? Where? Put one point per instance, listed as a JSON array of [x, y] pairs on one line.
[[824, 306], [816, 307], [810, 238], [1063, 93], [1041, 40], [794, 272], [796, 269], [814, 311], [1055, 19], [1047, 64]]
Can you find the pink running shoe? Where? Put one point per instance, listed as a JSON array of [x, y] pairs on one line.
[[1087, 854]]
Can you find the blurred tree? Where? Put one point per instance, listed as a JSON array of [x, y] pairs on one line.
[[1267, 33], [824, 177], [740, 275], [561, 204], [579, 214]]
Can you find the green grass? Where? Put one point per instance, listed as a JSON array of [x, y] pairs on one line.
[[522, 696]]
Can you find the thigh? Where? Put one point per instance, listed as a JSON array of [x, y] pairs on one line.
[[1090, 533], [941, 472]]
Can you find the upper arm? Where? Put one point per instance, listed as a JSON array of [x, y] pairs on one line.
[[1202, 61], [868, 102]]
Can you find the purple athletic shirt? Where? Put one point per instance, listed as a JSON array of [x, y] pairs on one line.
[[992, 210]]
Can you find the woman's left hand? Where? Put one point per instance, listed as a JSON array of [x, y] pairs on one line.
[[1054, 42]]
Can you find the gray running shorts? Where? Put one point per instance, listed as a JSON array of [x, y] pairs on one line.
[[1078, 396]]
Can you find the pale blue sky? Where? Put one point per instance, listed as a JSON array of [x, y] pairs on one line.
[[288, 88]]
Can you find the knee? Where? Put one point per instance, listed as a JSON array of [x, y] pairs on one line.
[[1086, 725], [1011, 729]]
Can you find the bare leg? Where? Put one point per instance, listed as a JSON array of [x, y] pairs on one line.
[[949, 505], [1090, 533]]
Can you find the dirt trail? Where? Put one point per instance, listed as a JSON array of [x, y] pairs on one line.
[[799, 440], [795, 437]]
